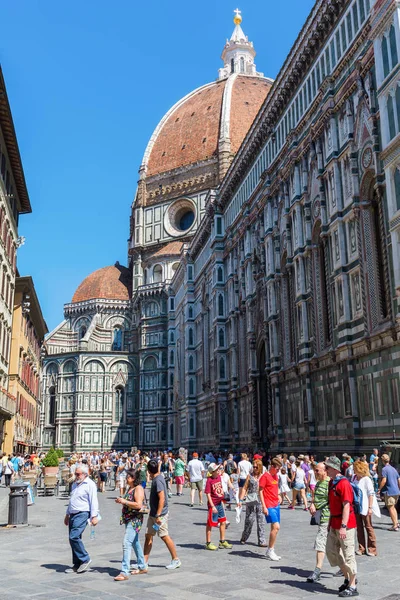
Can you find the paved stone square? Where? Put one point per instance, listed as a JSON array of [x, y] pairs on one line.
[[33, 559]]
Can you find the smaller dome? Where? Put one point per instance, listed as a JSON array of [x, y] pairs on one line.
[[108, 283]]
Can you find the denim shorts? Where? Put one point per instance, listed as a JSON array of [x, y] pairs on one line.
[[299, 486], [218, 517]]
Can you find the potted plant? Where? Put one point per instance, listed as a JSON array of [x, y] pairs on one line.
[[50, 462], [60, 454]]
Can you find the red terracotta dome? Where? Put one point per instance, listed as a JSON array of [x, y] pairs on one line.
[[192, 130], [108, 283]]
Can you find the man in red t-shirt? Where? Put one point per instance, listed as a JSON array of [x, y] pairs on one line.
[[216, 511], [269, 497], [340, 546]]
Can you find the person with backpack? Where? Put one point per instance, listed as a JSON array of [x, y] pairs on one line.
[[369, 506], [340, 545], [230, 465]]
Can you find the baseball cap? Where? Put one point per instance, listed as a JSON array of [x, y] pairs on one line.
[[333, 462], [212, 467]]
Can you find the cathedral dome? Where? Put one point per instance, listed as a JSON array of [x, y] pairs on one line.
[[192, 130], [108, 283], [209, 124]]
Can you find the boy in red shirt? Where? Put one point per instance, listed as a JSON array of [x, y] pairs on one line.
[[340, 545], [270, 502], [216, 510]]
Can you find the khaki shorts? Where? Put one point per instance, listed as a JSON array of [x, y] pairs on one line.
[[322, 536], [163, 531], [391, 500], [341, 553], [197, 485]]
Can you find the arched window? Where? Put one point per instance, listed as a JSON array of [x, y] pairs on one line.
[[190, 336], [190, 312], [117, 339], [220, 275], [171, 357], [241, 64], [191, 363], [391, 121], [82, 332], [397, 187], [119, 405], [150, 364], [157, 274], [221, 337], [151, 309], [220, 305], [232, 65], [191, 387], [171, 379], [52, 406], [191, 427], [221, 368], [393, 46], [385, 56], [172, 337], [163, 399]]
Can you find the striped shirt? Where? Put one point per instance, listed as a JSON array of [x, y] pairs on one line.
[[321, 499]]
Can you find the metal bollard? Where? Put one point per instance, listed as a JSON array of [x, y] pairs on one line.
[[18, 503]]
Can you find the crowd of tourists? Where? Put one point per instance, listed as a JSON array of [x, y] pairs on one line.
[[341, 495]]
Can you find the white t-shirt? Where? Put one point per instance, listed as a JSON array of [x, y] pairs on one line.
[[300, 476], [313, 480], [195, 469], [244, 468]]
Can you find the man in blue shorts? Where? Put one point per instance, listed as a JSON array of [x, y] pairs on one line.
[[269, 497]]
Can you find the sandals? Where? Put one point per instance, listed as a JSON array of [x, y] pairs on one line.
[[394, 528], [121, 577], [139, 572]]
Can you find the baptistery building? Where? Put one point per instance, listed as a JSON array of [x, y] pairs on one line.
[[264, 260]]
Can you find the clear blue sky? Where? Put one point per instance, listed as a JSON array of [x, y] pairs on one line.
[[88, 81]]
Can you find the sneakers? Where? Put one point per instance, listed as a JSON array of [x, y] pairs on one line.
[[339, 574], [174, 564], [211, 546], [71, 570], [200, 504], [191, 505], [314, 577], [84, 566], [224, 544], [349, 592], [271, 555], [290, 507]]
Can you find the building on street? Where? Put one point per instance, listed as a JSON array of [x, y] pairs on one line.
[[14, 200], [264, 249], [28, 331]]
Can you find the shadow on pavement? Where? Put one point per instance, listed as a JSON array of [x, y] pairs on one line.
[[194, 546], [292, 570], [309, 587], [111, 571], [247, 554], [55, 567]]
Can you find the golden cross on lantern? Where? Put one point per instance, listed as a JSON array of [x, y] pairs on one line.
[[238, 16]]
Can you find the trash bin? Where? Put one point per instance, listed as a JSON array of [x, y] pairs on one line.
[[18, 503]]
